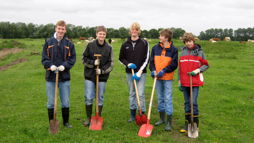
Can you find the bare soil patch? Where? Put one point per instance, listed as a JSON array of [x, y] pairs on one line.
[[6, 51], [5, 67]]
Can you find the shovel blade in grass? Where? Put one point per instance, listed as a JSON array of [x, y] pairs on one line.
[[192, 130], [54, 126], [96, 123], [141, 119], [145, 130]]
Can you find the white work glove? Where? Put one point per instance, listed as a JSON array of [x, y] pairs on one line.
[[195, 72], [97, 62], [53, 68], [98, 71], [139, 73], [61, 68]]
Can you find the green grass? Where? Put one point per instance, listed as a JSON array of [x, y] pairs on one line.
[[226, 102], [11, 44]]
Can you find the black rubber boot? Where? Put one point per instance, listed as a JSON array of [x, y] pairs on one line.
[[162, 119], [65, 115], [133, 115], [88, 114], [100, 109], [51, 114], [168, 126], [187, 121], [196, 120]]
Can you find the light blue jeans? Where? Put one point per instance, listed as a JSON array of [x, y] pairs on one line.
[[164, 94], [141, 91], [186, 93], [64, 92], [90, 92]]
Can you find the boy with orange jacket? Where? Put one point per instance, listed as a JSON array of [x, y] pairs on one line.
[[163, 63]]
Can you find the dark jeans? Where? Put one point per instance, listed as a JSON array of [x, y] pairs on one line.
[[186, 93]]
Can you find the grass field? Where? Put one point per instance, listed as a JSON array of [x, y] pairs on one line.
[[226, 102]]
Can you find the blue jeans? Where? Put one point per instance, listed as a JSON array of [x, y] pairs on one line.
[[186, 93], [64, 92], [132, 93], [90, 92], [164, 94]]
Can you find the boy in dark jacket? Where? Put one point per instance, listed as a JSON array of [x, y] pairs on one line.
[[105, 63], [164, 61], [58, 54], [193, 63], [134, 54]]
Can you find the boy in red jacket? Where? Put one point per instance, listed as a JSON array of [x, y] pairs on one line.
[[192, 62]]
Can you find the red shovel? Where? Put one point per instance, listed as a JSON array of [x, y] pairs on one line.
[[96, 121], [146, 129], [141, 118]]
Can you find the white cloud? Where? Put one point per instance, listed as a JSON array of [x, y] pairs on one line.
[[193, 16]]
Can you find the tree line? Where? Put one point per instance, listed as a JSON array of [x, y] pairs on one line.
[[30, 30], [241, 34]]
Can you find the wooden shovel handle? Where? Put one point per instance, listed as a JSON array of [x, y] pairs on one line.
[[56, 93], [97, 85], [191, 99], [97, 89], [136, 90], [151, 100]]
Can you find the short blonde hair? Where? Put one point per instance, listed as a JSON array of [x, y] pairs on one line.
[[61, 23], [188, 37], [135, 26]]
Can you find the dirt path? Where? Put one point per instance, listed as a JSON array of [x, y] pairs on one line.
[[5, 67], [6, 51]]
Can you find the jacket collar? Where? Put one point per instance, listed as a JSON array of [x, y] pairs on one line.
[[130, 41], [99, 45], [162, 46], [196, 47], [56, 37]]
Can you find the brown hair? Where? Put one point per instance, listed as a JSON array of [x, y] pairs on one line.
[[61, 23], [135, 26], [101, 28], [167, 33], [188, 37]]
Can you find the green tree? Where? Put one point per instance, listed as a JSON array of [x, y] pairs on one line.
[[177, 32], [123, 32], [154, 33], [145, 34]]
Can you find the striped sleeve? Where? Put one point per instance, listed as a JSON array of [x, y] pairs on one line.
[[147, 58], [204, 63]]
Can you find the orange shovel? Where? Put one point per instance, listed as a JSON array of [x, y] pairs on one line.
[[96, 121], [146, 129]]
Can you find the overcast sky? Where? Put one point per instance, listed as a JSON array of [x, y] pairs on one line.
[[191, 15]]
